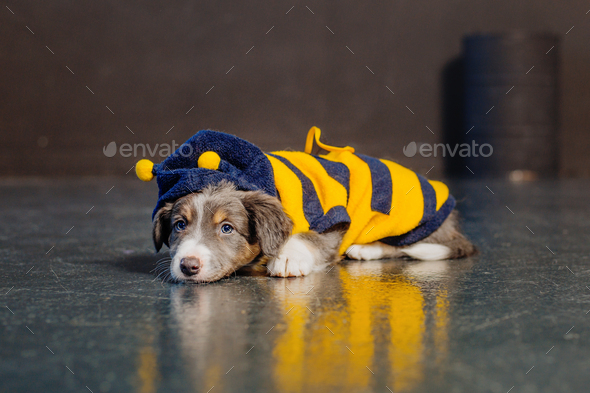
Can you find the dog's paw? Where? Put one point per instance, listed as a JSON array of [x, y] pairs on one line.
[[365, 252], [294, 260]]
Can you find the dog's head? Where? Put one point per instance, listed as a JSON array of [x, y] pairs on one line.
[[213, 233]]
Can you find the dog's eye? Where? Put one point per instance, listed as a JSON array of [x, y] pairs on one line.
[[227, 229], [180, 225]]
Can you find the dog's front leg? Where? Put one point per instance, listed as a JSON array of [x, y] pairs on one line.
[[296, 259], [306, 252]]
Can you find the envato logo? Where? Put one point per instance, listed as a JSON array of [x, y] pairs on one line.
[[461, 150], [140, 149]]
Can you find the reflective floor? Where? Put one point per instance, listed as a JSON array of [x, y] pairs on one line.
[[82, 312]]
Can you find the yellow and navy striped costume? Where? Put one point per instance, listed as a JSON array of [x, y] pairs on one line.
[[376, 199], [379, 199]]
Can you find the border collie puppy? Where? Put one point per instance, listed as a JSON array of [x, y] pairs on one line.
[[225, 205]]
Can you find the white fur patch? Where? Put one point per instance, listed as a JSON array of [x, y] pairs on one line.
[[366, 252], [295, 259], [378, 250], [427, 251], [191, 248]]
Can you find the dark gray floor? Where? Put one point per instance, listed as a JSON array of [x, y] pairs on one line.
[[77, 294]]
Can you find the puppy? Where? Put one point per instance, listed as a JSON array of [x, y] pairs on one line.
[[220, 229]]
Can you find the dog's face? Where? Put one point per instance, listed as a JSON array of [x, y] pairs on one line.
[[213, 233]]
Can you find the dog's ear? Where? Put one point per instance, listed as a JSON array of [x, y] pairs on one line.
[[269, 224], [162, 226]]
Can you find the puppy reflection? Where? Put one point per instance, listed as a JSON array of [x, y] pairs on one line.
[[318, 332], [212, 326]]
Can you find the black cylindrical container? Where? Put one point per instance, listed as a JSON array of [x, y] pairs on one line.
[[511, 103]]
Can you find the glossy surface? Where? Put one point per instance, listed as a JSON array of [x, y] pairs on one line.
[[83, 299]]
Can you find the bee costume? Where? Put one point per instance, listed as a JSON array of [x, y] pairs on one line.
[[378, 200]]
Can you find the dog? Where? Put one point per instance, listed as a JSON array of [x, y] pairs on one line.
[[225, 206], [219, 230]]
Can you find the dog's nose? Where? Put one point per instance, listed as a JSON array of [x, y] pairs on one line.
[[190, 265]]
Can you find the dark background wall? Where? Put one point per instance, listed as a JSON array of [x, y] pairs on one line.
[[152, 61]]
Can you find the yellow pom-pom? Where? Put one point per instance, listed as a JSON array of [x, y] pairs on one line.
[[143, 170], [209, 160]]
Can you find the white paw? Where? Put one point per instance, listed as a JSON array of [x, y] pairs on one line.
[[295, 260], [365, 252], [427, 251]]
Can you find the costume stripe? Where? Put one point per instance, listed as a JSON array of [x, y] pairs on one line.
[[290, 194], [336, 215], [442, 192], [337, 171], [429, 199], [312, 208], [422, 231], [330, 192], [381, 184]]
